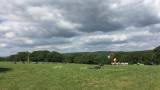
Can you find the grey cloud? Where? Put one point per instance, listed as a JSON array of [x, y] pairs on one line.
[[65, 25], [94, 15]]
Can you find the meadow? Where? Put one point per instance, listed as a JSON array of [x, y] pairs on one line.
[[56, 76]]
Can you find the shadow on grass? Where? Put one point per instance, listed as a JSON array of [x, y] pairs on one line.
[[4, 69]]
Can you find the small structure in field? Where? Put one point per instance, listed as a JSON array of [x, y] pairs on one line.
[[115, 62], [123, 63]]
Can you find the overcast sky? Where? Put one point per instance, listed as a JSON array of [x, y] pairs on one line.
[[79, 25]]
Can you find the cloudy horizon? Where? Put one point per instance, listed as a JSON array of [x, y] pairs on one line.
[[79, 25]]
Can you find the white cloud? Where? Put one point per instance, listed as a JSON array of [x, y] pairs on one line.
[[9, 35], [2, 45], [119, 37], [102, 37], [28, 41], [67, 25]]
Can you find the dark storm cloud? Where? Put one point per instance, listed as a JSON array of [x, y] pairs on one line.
[[106, 15]]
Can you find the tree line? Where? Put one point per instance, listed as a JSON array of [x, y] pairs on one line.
[[36, 56], [148, 57]]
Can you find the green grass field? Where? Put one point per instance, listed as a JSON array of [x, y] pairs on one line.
[[78, 77]]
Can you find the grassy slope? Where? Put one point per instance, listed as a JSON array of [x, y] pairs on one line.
[[78, 77]]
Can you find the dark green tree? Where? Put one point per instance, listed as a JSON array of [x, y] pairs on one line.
[[156, 56], [23, 56], [54, 57], [39, 56]]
